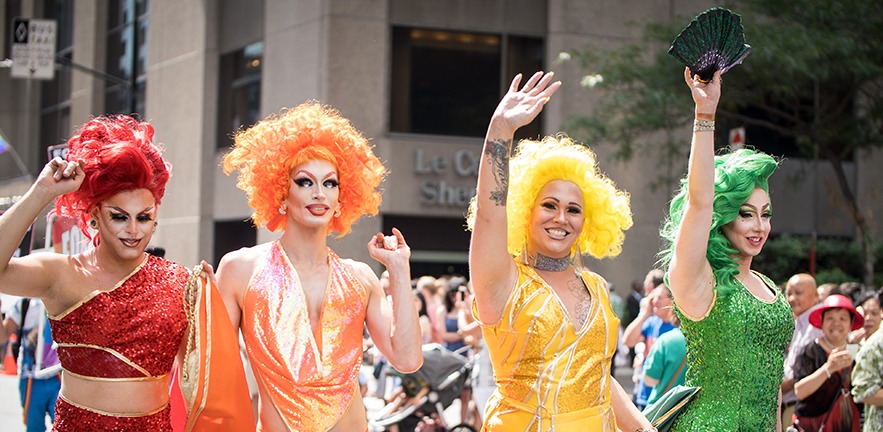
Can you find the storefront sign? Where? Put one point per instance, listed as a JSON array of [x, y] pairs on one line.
[[437, 191]]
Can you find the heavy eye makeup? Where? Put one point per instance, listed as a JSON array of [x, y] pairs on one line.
[[123, 217]]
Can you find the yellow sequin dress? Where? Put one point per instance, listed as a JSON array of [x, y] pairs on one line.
[[551, 376]]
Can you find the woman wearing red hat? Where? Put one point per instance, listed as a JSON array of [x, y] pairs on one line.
[[822, 371]]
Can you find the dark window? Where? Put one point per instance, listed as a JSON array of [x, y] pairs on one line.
[[448, 83], [13, 9], [127, 56], [233, 235], [239, 93], [433, 234]]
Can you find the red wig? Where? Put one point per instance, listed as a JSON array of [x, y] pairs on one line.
[[117, 154]]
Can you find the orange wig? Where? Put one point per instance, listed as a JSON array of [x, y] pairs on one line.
[[266, 153]]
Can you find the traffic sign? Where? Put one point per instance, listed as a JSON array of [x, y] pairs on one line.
[[33, 48]]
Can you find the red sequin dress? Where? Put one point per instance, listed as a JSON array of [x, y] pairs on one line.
[[310, 386], [130, 333]]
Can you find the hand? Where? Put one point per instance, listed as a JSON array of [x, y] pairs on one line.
[[385, 249], [209, 271], [838, 359], [60, 176], [705, 95], [520, 107]]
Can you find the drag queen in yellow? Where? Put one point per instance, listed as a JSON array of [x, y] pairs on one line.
[[546, 320]]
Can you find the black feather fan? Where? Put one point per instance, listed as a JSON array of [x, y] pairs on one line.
[[714, 40]]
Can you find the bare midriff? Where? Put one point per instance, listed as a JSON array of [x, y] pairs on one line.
[[118, 397]]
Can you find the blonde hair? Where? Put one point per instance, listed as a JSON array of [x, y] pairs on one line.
[[606, 210], [266, 153]]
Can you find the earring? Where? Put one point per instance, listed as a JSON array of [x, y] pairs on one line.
[[155, 224], [577, 259], [93, 223], [523, 257], [282, 208]]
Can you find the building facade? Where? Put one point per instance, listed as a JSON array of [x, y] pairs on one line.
[[419, 78]]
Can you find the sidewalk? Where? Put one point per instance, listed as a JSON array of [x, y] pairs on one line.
[[10, 405]]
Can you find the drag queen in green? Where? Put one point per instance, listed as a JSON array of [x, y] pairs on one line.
[[737, 323]]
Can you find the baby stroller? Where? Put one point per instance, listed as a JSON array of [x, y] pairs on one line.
[[427, 392]]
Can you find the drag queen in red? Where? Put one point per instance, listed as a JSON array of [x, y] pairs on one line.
[[300, 307], [117, 314]]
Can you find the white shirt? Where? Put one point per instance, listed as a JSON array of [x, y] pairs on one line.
[[804, 334]]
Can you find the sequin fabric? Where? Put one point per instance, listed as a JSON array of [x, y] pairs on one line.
[[132, 331], [546, 369], [70, 418], [311, 389], [736, 354]]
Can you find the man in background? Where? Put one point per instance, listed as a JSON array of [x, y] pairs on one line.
[[38, 392]]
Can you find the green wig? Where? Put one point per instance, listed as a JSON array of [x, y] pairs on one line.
[[736, 175], [536, 163]]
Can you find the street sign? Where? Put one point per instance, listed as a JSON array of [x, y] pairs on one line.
[[33, 48], [737, 138]]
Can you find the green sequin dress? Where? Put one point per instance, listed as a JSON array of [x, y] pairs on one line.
[[736, 354]]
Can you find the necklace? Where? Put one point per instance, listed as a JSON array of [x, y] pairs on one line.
[[542, 262]]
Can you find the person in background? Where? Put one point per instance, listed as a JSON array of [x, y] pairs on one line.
[[869, 306], [427, 285], [38, 393], [665, 366], [423, 316], [448, 313], [823, 370], [867, 379], [633, 303], [803, 297], [828, 289], [651, 323]]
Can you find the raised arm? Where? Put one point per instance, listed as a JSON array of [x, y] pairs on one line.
[[395, 329], [491, 267], [33, 275], [690, 275]]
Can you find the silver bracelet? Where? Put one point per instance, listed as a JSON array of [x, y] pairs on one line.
[[703, 125], [649, 429]]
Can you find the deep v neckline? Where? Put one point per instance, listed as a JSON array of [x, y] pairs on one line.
[[314, 345], [563, 306]]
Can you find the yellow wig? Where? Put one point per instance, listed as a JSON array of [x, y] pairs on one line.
[[266, 153], [536, 163]]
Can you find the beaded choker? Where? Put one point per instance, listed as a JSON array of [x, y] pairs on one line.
[[543, 262]]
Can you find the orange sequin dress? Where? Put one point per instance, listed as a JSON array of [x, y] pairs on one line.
[[551, 376], [130, 333], [311, 390]]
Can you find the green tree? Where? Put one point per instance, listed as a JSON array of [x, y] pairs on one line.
[[815, 76]]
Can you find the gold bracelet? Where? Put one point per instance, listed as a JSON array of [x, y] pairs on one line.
[[703, 116], [703, 125]]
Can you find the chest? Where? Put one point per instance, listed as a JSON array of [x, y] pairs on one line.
[[573, 296]]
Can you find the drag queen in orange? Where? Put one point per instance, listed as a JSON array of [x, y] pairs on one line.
[[119, 315], [546, 320], [300, 307]]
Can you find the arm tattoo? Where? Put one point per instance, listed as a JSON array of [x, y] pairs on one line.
[[497, 152], [583, 301]]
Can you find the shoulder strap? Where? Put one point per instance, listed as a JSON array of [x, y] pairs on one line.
[[25, 303], [676, 375]]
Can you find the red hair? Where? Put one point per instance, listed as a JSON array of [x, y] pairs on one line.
[[266, 153], [117, 154]]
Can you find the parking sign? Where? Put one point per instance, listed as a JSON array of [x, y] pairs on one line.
[[33, 48]]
